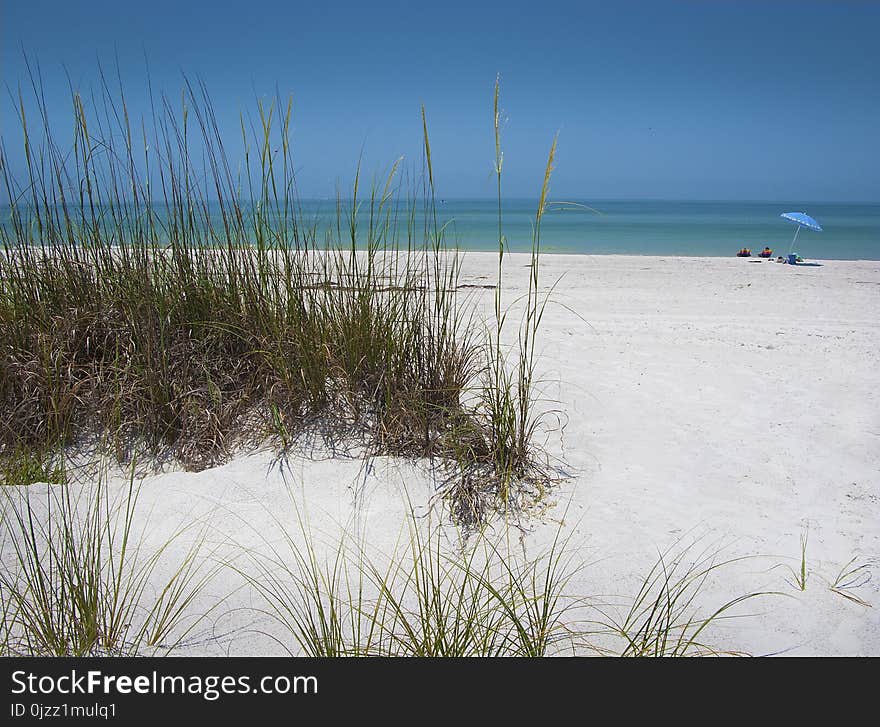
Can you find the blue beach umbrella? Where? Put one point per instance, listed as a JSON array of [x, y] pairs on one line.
[[801, 219]]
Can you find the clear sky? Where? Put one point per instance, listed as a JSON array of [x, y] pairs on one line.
[[770, 100]]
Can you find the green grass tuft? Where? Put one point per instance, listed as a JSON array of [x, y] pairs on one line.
[[23, 466], [428, 597], [77, 583]]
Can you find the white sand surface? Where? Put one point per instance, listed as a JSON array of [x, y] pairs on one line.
[[726, 401]]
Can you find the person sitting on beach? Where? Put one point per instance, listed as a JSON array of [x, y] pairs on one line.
[[766, 252], [745, 252]]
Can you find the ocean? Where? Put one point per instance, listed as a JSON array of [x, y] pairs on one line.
[[639, 227], [850, 231]]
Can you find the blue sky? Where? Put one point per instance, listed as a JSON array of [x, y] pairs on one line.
[[774, 100]]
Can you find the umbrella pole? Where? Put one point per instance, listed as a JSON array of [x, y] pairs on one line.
[[794, 240]]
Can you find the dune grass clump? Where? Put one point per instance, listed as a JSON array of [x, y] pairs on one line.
[[156, 301], [508, 391], [76, 581], [427, 597]]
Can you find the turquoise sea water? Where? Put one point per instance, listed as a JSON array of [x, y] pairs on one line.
[[850, 231], [637, 227]]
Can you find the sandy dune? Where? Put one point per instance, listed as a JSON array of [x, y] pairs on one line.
[[724, 400]]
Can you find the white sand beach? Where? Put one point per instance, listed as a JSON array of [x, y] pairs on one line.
[[729, 401]]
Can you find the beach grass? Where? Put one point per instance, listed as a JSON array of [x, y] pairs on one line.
[[851, 576], [22, 466], [76, 580], [79, 582], [798, 576], [667, 617], [438, 592], [154, 303]]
